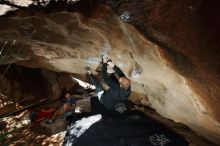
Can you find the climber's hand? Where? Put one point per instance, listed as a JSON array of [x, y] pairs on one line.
[[105, 59], [110, 63]]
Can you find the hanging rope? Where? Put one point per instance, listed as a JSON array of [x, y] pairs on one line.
[[9, 65], [17, 53], [8, 50], [3, 47], [124, 29], [136, 68]]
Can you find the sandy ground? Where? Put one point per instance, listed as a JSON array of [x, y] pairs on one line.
[[17, 130]]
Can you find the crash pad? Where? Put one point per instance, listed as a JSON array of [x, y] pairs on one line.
[[133, 129]]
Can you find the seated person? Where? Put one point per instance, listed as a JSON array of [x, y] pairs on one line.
[[67, 109]]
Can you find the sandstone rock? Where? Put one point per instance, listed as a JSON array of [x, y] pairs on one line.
[[69, 41]]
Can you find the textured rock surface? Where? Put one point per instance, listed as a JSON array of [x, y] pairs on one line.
[[67, 42], [24, 85], [188, 33]]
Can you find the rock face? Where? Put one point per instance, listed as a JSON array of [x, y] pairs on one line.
[[22, 85], [188, 33], [69, 41]]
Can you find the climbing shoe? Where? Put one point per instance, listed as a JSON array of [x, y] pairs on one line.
[[48, 121]]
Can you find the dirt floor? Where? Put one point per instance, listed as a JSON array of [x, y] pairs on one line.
[[18, 130]]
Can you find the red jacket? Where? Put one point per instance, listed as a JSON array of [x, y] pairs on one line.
[[42, 115]]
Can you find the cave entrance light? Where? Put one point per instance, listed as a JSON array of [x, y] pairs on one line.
[[83, 84]]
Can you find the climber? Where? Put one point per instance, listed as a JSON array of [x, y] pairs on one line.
[[67, 110], [113, 99]]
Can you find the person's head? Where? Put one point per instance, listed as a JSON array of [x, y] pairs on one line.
[[67, 95], [124, 82]]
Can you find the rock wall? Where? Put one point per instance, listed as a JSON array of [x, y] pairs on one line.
[[69, 41], [26, 85], [187, 32]]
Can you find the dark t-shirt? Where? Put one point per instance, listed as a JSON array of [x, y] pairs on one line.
[[70, 101], [115, 94]]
